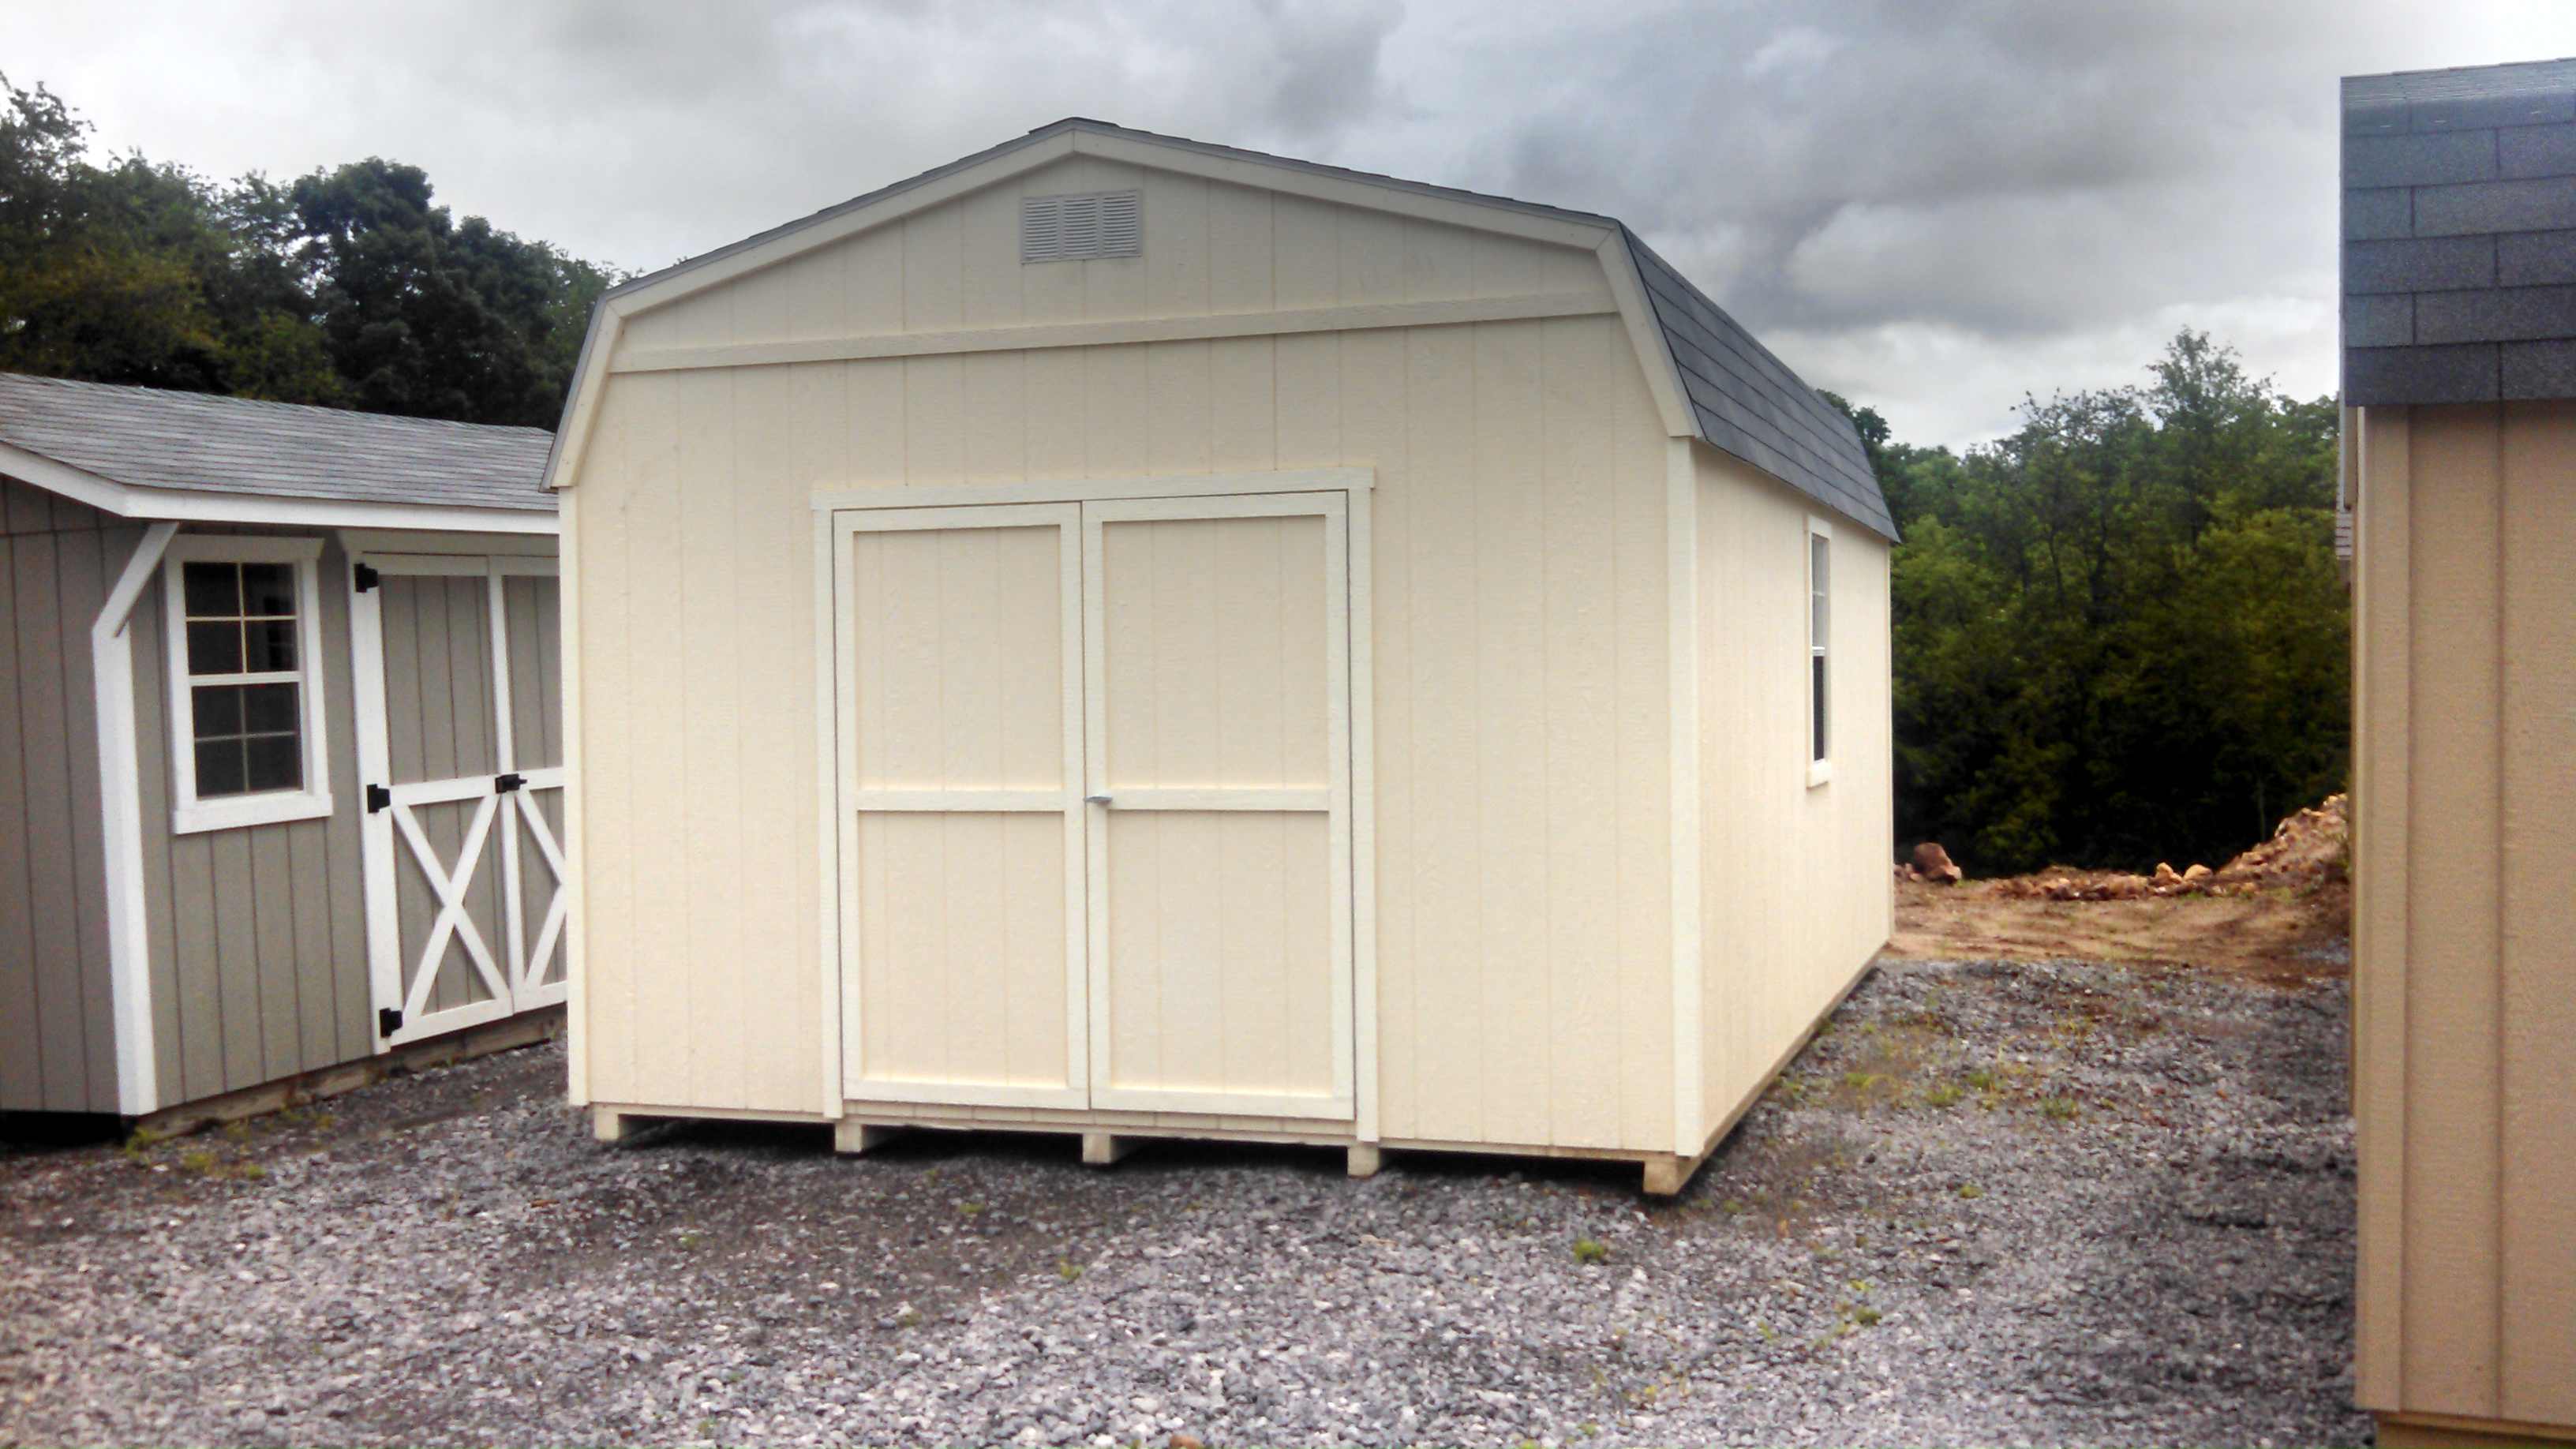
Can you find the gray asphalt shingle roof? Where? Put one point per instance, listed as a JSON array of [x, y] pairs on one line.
[[195, 442], [1743, 400], [2459, 235]]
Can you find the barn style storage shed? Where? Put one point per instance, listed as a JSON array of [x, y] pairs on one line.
[[2459, 331], [1133, 637], [280, 771]]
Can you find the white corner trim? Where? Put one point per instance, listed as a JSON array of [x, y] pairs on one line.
[[124, 500], [1690, 981], [111, 659], [188, 814]]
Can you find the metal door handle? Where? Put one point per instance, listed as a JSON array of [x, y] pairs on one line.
[[1095, 799]]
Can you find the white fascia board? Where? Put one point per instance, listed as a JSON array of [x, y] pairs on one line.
[[1646, 336], [1270, 175], [127, 501]]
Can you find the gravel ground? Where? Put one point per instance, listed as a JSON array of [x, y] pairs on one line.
[[1993, 1204]]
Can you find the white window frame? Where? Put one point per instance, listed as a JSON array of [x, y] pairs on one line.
[[188, 814], [1820, 767]]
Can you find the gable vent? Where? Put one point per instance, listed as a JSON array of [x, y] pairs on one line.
[[1081, 225]]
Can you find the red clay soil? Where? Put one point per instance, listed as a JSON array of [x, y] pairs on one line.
[[2280, 911]]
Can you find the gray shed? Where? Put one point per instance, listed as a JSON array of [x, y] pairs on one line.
[[280, 747]]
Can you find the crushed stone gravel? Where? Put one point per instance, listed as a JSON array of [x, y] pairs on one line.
[[1991, 1204]]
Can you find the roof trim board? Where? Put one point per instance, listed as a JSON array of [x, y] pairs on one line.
[[1747, 402], [125, 501], [1121, 331]]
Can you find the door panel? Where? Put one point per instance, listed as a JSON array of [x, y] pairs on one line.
[[456, 659], [963, 974], [958, 636], [1220, 926], [1216, 694]]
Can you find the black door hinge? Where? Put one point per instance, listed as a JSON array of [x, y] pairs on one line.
[[378, 797], [367, 577], [504, 784], [388, 1020]]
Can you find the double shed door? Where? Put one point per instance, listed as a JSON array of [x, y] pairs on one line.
[[460, 755], [1094, 790]]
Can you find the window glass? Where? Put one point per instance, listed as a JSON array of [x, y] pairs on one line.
[[247, 724], [1819, 562]]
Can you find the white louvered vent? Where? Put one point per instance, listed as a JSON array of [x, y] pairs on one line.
[[1081, 225]]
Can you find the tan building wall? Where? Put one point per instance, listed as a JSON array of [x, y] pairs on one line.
[[1777, 848], [2464, 934], [1520, 522]]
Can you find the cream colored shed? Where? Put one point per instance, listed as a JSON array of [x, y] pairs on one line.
[[1133, 637]]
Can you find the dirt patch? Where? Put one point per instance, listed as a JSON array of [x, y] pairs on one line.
[[2281, 911]]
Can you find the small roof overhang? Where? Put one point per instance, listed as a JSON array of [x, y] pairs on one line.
[[150, 454]]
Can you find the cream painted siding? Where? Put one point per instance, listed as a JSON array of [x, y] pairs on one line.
[[1523, 786], [2464, 949], [1796, 896]]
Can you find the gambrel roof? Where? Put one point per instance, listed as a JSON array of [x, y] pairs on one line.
[[143, 452], [1715, 381]]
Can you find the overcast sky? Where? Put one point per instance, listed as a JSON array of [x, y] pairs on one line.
[[1933, 207]]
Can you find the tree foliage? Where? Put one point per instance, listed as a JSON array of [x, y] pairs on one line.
[[2120, 633], [346, 287]]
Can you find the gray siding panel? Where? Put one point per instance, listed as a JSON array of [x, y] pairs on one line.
[[258, 934], [57, 1018], [22, 1047], [84, 584]]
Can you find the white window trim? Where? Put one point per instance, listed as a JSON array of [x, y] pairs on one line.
[[188, 814], [1819, 772]]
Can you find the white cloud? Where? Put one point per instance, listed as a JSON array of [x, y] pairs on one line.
[[1933, 205]]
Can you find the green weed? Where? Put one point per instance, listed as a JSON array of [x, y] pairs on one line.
[[1589, 1251], [1971, 1191]]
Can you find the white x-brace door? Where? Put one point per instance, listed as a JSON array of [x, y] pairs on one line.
[[463, 857]]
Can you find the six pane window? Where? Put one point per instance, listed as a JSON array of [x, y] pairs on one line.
[[245, 688]]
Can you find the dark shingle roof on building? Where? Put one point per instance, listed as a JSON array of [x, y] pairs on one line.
[[1743, 400], [1748, 403], [195, 442], [2459, 235]]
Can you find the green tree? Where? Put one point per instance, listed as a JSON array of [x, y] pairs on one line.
[[2120, 632], [433, 317], [344, 287]]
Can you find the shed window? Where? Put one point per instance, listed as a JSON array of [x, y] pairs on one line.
[[244, 687], [1819, 634], [1082, 225]]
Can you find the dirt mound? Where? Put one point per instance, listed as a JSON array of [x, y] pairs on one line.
[[2305, 852], [2282, 910]]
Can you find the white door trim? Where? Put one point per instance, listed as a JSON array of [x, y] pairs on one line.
[[1357, 482], [512, 974]]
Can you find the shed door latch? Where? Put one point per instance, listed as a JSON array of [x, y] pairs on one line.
[[504, 784], [366, 577], [388, 1020], [378, 797]]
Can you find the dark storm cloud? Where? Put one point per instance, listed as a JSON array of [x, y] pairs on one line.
[[1936, 205]]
